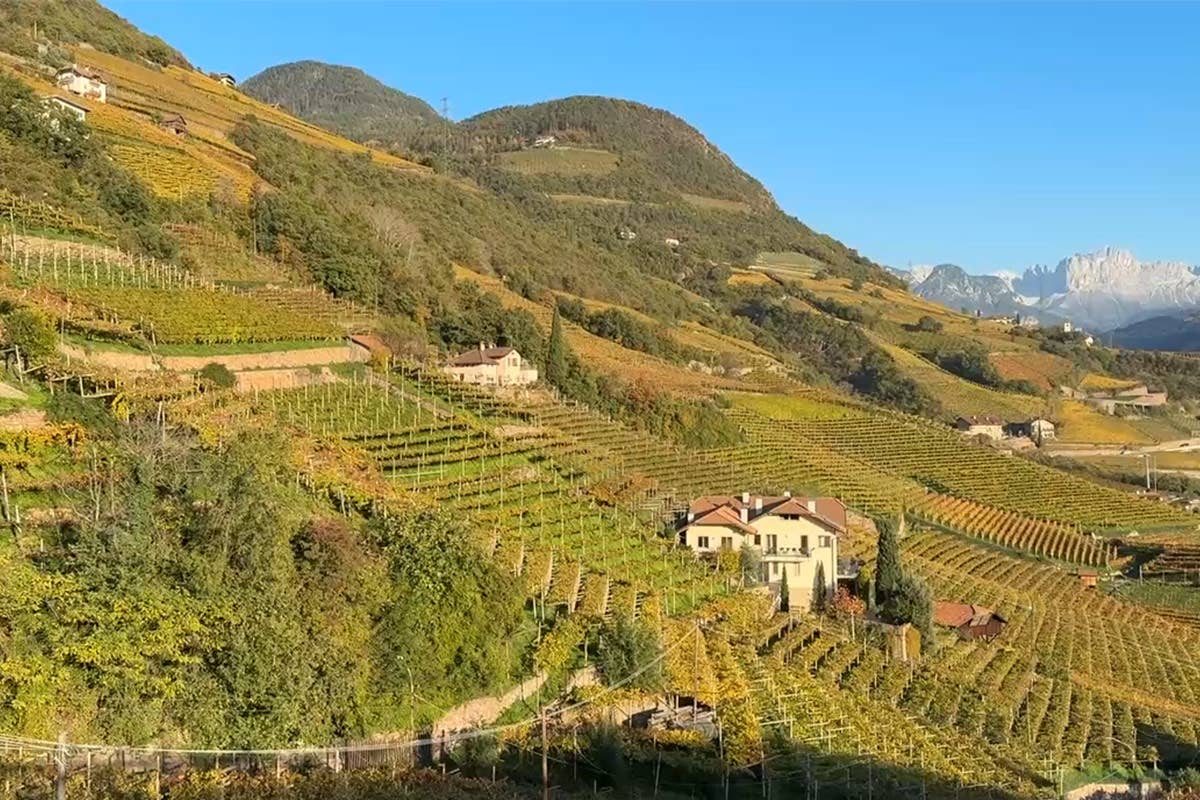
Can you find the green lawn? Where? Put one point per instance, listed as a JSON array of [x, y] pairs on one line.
[[560, 161]]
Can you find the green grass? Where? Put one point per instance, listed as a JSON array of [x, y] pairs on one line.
[[193, 349], [1174, 596], [790, 261], [716, 203], [560, 161], [782, 406]]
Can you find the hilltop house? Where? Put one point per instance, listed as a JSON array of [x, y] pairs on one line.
[[84, 82], [225, 79], [1136, 397], [174, 123], [492, 366], [794, 535], [63, 104], [969, 621], [981, 425]]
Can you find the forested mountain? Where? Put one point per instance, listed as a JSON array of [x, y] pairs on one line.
[[344, 99]]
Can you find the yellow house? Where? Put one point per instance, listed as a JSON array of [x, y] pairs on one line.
[[492, 366], [793, 534]]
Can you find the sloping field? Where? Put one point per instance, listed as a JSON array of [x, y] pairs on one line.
[[214, 108], [1044, 370], [606, 356], [716, 203], [1080, 423], [559, 161], [961, 397]]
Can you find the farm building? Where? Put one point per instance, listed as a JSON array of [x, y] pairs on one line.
[[1039, 429], [174, 123], [492, 366], [794, 535], [63, 104], [225, 79], [545, 141], [1088, 577], [969, 621], [1136, 397], [84, 82], [981, 425]]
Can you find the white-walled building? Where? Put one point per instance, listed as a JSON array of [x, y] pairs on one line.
[[793, 534], [492, 366], [84, 82]]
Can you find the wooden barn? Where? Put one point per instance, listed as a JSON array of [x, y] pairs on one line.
[[969, 621]]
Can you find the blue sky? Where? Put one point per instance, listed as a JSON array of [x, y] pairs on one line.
[[993, 136]]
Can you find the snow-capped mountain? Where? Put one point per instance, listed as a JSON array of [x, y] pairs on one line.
[[1099, 291]]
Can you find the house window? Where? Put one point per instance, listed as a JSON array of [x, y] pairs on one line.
[[774, 567], [824, 541], [772, 542], [803, 542], [726, 542], [757, 539], [702, 541]]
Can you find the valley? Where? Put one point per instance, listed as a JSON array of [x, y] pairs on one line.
[[346, 451]]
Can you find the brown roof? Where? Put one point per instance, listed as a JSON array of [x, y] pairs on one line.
[[956, 615], [723, 516], [485, 355], [84, 71], [53, 98], [174, 118], [370, 341], [982, 419], [830, 512]]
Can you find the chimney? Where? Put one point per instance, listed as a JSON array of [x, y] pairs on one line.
[[758, 504], [787, 492], [745, 514], [691, 517], [812, 505], [745, 498], [481, 347]]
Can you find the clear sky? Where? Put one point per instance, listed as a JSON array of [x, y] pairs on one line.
[[992, 136]]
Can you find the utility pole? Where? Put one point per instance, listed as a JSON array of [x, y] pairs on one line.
[[545, 762]]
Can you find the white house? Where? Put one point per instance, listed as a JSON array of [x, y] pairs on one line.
[[793, 534], [545, 141], [83, 82], [981, 425], [225, 79], [492, 366], [76, 110]]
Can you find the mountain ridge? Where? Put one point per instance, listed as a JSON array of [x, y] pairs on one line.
[[1102, 290]]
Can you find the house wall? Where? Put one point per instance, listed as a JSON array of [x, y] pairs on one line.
[[85, 87], [714, 534], [789, 556], [508, 372]]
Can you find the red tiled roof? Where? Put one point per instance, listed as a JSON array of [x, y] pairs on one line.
[[956, 615], [830, 512], [370, 341], [84, 71], [487, 355]]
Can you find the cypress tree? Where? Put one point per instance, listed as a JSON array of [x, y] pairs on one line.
[[556, 354], [784, 599], [820, 593], [888, 571]]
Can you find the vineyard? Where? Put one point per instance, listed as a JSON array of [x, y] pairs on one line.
[[940, 459], [19, 211], [1071, 675], [522, 489]]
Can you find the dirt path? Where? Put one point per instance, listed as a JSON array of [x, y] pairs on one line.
[[10, 392], [1176, 445]]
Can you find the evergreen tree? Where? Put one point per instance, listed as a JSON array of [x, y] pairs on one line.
[[784, 599], [557, 353], [888, 571], [751, 564], [819, 589]]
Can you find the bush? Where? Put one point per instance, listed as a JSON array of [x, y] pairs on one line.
[[628, 654], [927, 324], [32, 332], [912, 602], [218, 375]]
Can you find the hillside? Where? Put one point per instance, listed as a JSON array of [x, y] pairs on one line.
[[69, 23], [1164, 332], [344, 99], [264, 534]]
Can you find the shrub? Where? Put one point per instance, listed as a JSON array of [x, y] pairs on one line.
[[218, 375], [628, 653], [32, 332]]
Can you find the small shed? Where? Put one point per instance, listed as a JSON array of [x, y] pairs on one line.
[[969, 621], [174, 123], [1090, 578]]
